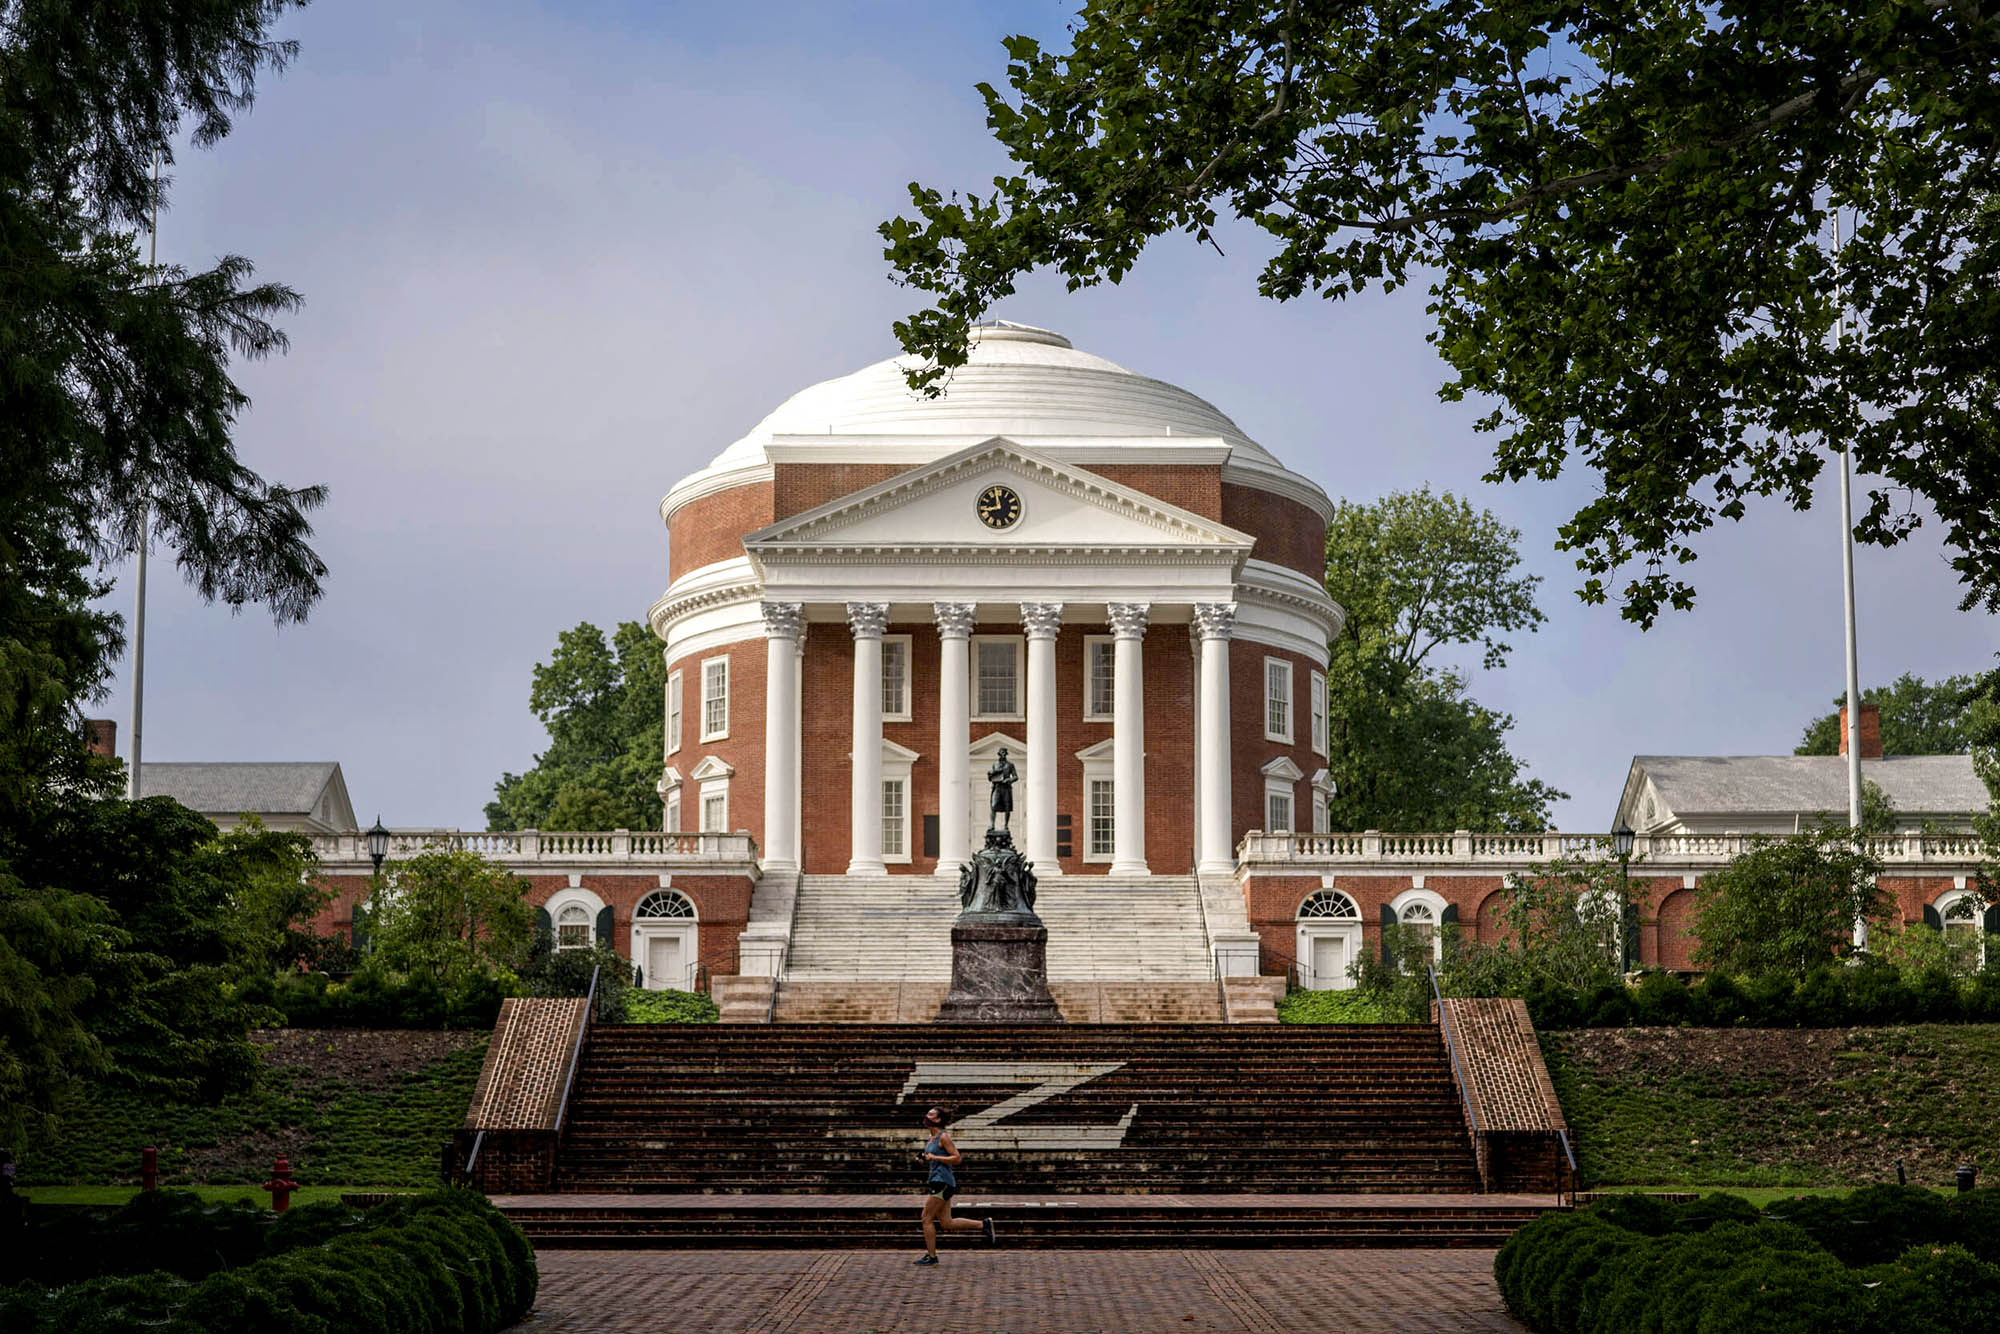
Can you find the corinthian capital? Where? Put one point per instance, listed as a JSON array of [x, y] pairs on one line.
[[1041, 619], [1215, 620], [783, 620], [954, 619], [867, 619], [1128, 619]]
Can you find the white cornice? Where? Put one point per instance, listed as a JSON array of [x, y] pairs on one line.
[[1241, 471], [915, 451]]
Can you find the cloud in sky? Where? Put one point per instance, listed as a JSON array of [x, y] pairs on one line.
[[556, 257]]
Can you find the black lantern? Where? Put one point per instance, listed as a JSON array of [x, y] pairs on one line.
[[1621, 840], [378, 844]]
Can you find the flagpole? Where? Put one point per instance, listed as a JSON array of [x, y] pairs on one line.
[[132, 787], [1853, 718]]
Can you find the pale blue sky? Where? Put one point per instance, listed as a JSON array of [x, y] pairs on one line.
[[557, 256]]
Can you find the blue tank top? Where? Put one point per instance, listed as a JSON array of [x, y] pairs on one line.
[[940, 1173]]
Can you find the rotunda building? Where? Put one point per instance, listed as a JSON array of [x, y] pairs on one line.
[[872, 594]]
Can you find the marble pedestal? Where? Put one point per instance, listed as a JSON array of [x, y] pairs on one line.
[[999, 975]]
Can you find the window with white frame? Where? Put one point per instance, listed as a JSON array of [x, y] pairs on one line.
[[714, 811], [1322, 800], [1281, 778], [663, 904], [1330, 903], [1100, 678], [673, 712], [715, 699], [996, 676], [1103, 818], [1278, 811], [895, 678], [1317, 683], [895, 819], [573, 927], [671, 823], [712, 777], [1277, 700], [1964, 929]]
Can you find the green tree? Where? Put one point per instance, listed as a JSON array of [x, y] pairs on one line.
[[1787, 906], [603, 708], [116, 412], [450, 915], [1623, 215], [1410, 750], [1918, 718], [280, 894], [1563, 924]]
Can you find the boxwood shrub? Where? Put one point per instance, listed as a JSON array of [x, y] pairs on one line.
[[1881, 1260], [442, 1263]]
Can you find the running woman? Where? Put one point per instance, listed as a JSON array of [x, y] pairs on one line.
[[940, 1184]]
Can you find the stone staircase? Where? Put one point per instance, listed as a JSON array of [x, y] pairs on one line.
[[897, 928], [806, 1135]]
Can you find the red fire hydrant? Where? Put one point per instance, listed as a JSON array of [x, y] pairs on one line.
[[149, 1169], [281, 1185]]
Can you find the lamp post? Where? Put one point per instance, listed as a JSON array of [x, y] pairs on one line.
[[377, 840], [1621, 843]]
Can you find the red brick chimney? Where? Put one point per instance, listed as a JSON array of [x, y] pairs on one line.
[[100, 737], [1871, 731]]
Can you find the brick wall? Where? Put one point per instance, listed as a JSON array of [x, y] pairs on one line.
[[799, 487], [742, 749], [1251, 752], [1287, 533], [711, 529], [1195, 488], [1504, 1080]]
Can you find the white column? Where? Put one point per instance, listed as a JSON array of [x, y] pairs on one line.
[[1041, 620], [1194, 645], [867, 620], [1216, 852], [781, 734], [954, 627], [1128, 738]]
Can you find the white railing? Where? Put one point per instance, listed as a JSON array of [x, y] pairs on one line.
[[530, 845], [1464, 848]]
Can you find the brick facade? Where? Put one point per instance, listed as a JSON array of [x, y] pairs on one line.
[[708, 530], [1288, 533]]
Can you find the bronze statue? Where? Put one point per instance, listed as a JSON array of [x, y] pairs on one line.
[[1002, 776]]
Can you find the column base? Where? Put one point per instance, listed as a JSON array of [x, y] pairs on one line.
[[948, 870], [867, 868], [1215, 868], [779, 868], [1129, 868]]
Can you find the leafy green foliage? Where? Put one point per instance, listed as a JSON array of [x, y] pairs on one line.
[[670, 1007], [373, 996], [1411, 751], [450, 915], [1918, 718], [1788, 905], [1623, 215], [601, 705], [554, 972], [341, 1120], [1889, 1258], [443, 1263]]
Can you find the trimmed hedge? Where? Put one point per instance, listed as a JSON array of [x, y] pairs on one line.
[[1859, 995], [442, 1263], [1885, 1258], [372, 999]]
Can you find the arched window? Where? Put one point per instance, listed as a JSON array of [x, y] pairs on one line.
[[1964, 931], [573, 928], [664, 903], [1328, 903], [1420, 912]]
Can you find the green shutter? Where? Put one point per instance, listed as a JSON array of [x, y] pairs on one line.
[[1932, 918], [604, 925], [1388, 921]]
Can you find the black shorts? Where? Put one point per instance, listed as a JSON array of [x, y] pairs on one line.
[[941, 1190]]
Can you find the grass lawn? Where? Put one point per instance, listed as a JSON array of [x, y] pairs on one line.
[[1757, 1195], [1778, 1108], [214, 1194]]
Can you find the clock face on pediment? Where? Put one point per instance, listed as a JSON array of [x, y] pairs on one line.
[[998, 506]]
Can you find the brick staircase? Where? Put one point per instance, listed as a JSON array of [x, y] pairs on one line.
[[791, 1135]]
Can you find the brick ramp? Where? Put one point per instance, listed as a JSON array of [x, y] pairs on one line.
[[517, 1103], [1507, 1088], [1065, 1222]]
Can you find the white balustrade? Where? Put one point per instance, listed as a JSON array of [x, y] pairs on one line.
[[531, 847], [1333, 852]]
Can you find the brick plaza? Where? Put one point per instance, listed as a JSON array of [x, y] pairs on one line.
[[1361, 1291]]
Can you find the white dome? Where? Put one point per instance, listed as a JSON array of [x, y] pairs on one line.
[[1019, 382]]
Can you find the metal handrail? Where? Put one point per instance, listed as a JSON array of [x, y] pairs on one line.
[[1457, 1069], [576, 1049], [1575, 1176], [472, 1159]]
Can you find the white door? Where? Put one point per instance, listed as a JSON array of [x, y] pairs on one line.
[[663, 964], [1329, 962]]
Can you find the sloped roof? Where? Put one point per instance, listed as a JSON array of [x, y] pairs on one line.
[[1695, 785], [278, 788]]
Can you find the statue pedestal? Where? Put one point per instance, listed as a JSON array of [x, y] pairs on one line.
[[999, 975]]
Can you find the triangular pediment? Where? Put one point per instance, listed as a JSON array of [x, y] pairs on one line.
[[1060, 506]]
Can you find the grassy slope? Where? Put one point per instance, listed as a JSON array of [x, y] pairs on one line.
[[345, 1107], [1769, 1107]]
